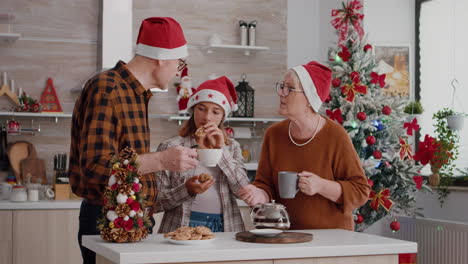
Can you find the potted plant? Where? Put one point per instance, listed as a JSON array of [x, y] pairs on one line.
[[414, 109], [455, 121], [446, 151]]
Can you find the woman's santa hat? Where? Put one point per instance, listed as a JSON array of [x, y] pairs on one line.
[[161, 38], [316, 81], [220, 91]]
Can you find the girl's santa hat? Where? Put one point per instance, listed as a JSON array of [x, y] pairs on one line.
[[220, 91], [161, 38], [316, 81]]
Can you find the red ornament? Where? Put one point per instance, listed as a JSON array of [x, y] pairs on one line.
[[358, 219], [370, 182], [395, 225], [336, 82], [344, 53], [367, 47], [418, 180], [377, 154], [370, 140], [386, 110], [361, 116], [328, 99], [355, 77]]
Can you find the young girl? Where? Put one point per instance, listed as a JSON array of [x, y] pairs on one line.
[[212, 203]]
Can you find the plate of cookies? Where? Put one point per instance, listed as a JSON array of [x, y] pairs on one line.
[[190, 235]]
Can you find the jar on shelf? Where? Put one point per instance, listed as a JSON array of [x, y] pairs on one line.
[[246, 153], [18, 194]]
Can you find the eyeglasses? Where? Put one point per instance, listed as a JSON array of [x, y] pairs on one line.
[[285, 92], [182, 65]]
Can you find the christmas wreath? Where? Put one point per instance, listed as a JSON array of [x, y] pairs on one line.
[[123, 216]]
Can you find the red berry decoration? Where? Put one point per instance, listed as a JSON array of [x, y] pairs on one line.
[[361, 116], [336, 82], [367, 47], [386, 110], [328, 99], [370, 140], [395, 225], [370, 182], [358, 219], [377, 154]]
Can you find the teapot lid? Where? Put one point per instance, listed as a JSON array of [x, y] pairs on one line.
[[273, 204]]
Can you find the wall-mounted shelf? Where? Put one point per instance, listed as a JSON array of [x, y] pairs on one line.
[[248, 50], [42, 114], [233, 119], [9, 37]]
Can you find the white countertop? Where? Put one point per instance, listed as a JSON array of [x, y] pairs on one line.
[[40, 205], [326, 243]]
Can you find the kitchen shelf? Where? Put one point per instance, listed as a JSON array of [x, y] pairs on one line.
[[233, 119], [42, 114], [248, 50], [9, 37]]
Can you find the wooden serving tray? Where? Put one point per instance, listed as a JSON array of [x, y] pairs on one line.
[[283, 238]]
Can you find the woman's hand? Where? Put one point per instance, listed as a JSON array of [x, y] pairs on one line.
[[253, 195], [214, 136], [194, 187], [310, 183]]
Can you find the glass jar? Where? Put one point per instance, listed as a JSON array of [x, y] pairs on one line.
[[19, 194]]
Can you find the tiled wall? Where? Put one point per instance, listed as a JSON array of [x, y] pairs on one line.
[[60, 39]]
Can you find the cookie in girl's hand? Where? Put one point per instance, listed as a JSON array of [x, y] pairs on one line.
[[204, 177]]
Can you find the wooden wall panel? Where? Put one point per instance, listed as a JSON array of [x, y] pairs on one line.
[[60, 40]]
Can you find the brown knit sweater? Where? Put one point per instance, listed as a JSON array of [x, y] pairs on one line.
[[331, 156]]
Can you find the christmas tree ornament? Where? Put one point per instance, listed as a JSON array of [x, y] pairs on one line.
[[335, 115], [336, 82], [358, 218], [377, 154], [370, 140], [395, 226], [405, 150], [386, 110], [123, 217], [361, 116], [418, 180], [381, 198], [329, 98], [410, 126], [49, 99], [367, 47], [370, 182], [348, 16], [378, 79], [344, 54]]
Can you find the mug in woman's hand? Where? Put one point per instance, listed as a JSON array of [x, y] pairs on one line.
[[288, 184]]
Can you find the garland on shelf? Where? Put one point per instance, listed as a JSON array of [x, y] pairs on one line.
[[123, 216]]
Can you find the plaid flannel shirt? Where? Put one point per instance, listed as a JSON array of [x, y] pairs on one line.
[[174, 199], [111, 114]]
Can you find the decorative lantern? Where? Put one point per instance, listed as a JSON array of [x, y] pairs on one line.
[[245, 102]]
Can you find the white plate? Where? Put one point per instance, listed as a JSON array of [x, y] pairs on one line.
[[268, 232], [190, 242]]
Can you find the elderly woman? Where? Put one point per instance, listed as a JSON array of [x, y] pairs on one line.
[[212, 203], [332, 182]]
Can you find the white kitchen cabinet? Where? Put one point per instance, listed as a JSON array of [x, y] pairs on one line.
[[6, 236], [39, 236]]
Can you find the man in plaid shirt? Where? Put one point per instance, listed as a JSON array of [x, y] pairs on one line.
[[112, 113]]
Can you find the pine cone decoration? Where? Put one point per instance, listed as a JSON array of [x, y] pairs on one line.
[[120, 176], [105, 234], [122, 210], [125, 188], [126, 154]]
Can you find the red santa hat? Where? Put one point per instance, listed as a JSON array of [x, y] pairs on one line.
[[161, 38], [316, 81], [220, 91]]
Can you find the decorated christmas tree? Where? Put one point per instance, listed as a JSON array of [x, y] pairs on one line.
[[375, 122], [123, 216]]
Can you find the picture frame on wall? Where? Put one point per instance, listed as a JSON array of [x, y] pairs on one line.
[[395, 61]]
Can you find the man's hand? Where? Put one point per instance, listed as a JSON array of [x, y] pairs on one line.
[[178, 159], [253, 195], [194, 187]]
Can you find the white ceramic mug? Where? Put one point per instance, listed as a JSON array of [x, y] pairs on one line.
[[209, 157]]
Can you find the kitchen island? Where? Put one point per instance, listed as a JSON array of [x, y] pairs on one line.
[[328, 246]]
